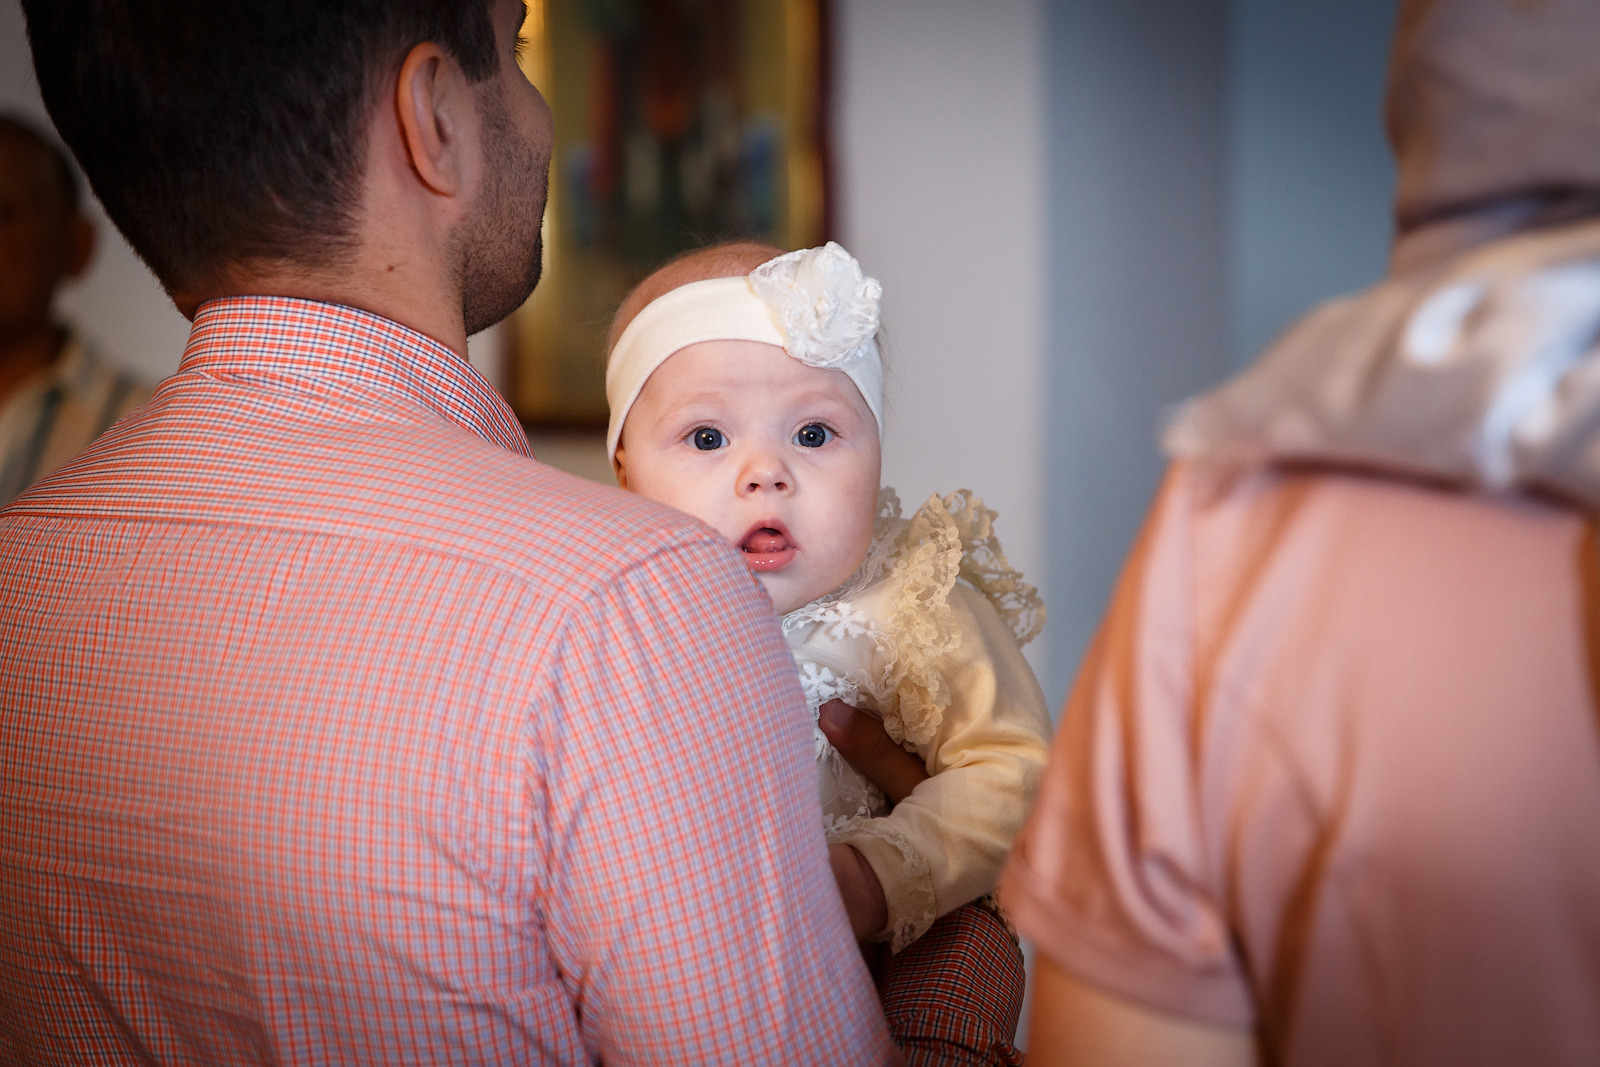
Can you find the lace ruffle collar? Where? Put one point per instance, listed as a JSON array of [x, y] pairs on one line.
[[921, 557]]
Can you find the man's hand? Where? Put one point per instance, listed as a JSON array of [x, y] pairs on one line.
[[863, 895], [865, 745]]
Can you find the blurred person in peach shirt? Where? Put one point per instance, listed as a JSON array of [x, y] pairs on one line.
[[1327, 790]]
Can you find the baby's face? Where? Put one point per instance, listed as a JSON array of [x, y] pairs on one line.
[[780, 458]]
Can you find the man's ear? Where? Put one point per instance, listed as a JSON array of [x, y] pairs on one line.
[[81, 239], [620, 468], [435, 106]]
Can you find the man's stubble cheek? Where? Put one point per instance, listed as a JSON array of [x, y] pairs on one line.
[[501, 250]]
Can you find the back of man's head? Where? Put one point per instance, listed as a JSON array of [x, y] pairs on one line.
[[1493, 99], [218, 133]]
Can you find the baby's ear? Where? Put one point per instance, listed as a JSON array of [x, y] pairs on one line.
[[619, 468]]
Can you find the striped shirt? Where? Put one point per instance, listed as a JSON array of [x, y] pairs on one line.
[[335, 729], [51, 418]]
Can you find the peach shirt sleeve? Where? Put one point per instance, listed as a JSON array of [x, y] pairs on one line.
[[1330, 772]]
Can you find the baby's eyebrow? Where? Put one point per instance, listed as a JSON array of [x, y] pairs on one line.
[[711, 401], [697, 400], [818, 396], [831, 406]]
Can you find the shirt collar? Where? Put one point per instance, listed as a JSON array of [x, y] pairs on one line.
[[273, 337]]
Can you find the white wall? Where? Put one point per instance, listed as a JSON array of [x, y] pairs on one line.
[[939, 128], [1215, 168]]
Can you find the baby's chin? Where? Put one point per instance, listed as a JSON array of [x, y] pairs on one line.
[[788, 592]]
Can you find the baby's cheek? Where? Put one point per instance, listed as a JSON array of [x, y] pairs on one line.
[[861, 541]]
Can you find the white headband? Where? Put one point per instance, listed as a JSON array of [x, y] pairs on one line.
[[815, 304]]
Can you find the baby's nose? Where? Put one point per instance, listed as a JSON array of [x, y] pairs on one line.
[[772, 480], [766, 473]]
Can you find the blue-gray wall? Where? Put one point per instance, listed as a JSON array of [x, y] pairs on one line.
[[1214, 169], [1137, 301], [1310, 175]]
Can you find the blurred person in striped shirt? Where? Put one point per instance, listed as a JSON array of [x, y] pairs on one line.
[[332, 723], [55, 394]]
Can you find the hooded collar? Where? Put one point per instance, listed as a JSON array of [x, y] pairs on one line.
[[1475, 361]]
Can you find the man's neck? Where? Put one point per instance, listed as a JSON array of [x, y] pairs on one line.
[[396, 288], [26, 354], [401, 259]]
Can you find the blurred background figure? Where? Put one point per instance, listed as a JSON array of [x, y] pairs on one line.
[[55, 396], [1325, 791]]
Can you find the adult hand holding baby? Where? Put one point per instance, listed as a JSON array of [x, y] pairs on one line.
[[863, 742], [867, 746]]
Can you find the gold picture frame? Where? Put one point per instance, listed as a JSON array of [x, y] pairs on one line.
[[677, 123]]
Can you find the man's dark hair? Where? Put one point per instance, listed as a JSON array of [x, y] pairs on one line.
[[63, 175], [215, 131]]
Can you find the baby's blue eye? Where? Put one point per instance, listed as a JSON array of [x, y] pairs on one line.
[[813, 435], [708, 440]]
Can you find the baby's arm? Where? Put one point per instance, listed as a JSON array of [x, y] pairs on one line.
[[985, 759], [860, 889], [861, 740]]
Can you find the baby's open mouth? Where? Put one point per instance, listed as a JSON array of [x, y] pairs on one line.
[[767, 548]]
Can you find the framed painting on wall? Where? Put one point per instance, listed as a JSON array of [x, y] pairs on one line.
[[677, 123]]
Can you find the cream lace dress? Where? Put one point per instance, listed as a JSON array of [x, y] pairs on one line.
[[927, 635]]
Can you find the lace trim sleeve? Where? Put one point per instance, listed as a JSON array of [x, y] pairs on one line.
[[920, 559]]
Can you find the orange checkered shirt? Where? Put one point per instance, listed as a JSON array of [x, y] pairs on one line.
[[334, 729]]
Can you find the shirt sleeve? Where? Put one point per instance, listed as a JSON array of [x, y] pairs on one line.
[[1112, 877], [947, 841], [690, 906]]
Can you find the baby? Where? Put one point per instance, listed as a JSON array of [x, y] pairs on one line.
[[746, 389]]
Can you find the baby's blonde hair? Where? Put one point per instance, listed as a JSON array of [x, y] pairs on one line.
[[731, 260]]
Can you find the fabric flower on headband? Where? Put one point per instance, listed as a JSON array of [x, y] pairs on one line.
[[826, 307]]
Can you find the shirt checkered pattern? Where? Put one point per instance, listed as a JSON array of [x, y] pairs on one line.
[[335, 730]]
